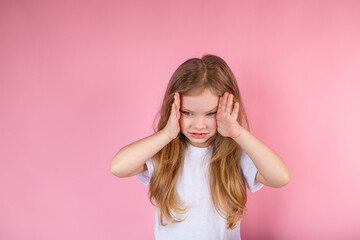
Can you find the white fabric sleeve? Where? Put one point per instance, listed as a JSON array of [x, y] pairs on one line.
[[145, 176], [249, 171]]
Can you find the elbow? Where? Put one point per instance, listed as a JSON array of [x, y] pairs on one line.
[[285, 180], [281, 181], [115, 170]]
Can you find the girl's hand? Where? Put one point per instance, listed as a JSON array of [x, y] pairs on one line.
[[226, 117], [172, 127]]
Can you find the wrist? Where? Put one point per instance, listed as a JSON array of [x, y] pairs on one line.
[[166, 135], [240, 131]]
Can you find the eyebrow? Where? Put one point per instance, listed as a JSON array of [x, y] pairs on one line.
[[185, 109]]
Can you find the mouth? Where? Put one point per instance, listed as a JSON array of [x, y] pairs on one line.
[[198, 135]]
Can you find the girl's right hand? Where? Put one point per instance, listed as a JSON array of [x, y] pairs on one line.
[[172, 127]]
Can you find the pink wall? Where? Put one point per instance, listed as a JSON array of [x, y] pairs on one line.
[[81, 79]]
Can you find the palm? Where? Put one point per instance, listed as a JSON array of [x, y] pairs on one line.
[[172, 127], [226, 117]]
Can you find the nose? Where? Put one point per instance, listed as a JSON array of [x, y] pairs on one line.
[[199, 123]]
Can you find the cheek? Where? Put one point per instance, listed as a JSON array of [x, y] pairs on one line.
[[212, 123], [182, 122]]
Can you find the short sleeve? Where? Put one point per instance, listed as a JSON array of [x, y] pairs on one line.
[[145, 176], [249, 171]]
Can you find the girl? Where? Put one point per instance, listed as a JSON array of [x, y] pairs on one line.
[[200, 158]]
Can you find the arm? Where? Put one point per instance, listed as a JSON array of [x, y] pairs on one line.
[[134, 156], [272, 171], [131, 159]]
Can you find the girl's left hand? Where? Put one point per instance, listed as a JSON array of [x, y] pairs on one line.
[[226, 117]]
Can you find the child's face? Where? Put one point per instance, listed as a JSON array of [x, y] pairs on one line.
[[198, 117]]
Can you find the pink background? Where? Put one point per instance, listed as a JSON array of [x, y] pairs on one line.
[[81, 79]]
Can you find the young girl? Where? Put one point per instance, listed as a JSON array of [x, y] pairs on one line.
[[200, 158]]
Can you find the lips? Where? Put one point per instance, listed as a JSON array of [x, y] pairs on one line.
[[198, 135]]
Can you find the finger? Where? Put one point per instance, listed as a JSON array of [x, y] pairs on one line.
[[172, 112], [219, 105], [223, 102], [176, 100], [175, 104], [178, 105], [235, 111], [229, 103], [175, 111]]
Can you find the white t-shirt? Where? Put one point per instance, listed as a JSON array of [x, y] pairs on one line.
[[202, 222]]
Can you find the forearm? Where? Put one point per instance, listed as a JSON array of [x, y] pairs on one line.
[[134, 155], [269, 164]]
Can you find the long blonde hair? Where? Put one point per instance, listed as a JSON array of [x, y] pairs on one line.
[[227, 186]]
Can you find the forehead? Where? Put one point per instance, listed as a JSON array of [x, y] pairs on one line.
[[200, 102]]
